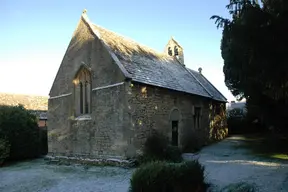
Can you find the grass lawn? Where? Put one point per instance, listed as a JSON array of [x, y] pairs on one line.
[[267, 145]]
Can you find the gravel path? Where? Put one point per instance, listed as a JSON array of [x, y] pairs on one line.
[[36, 176], [225, 164]]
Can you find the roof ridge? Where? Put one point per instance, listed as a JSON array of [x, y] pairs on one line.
[[213, 86], [97, 34], [133, 41], [193, 70], [124, 37], [191, 74], [158, 54], [128, 39], [208, 82], [199, 82]]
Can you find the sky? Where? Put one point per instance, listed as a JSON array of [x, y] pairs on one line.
[[35, 34]]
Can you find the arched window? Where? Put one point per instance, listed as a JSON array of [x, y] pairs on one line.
[[86, 102], [81, 97], [82, 85], [169, 51], [176, 51]]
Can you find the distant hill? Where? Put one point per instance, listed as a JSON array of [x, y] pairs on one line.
[[30, 102]]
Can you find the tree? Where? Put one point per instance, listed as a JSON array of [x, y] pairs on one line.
[[254, 48], [19, 133]]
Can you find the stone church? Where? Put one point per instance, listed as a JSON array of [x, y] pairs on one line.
[[111, 92]]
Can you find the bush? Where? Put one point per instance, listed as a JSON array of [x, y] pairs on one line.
[[43, 140], [218, 128], [155, 145], [239, 123], [173, 154], [4, 150], [169, 177], [158, 148], [193, 141], [236, 121], [20, 129]]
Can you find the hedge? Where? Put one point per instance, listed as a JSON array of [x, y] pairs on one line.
[[19, 133], [169, 177], [157, 148]]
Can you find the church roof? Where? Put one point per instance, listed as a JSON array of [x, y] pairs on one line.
[[144, 65]]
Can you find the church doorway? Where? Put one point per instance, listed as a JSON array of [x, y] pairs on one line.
[[174, 119], [174, 133]]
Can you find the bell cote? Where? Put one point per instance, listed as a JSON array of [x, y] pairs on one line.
[[173, 49]]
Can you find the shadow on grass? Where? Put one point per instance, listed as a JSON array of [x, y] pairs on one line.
[[267, 145]]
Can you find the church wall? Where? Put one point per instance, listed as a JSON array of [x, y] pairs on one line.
[[101, 132], [150, 109], [122, 114]]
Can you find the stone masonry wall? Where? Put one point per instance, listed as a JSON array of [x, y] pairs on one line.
[[59, 125], [150, 108], [103, 135], [122, 116], [77, 53], [102, 132]]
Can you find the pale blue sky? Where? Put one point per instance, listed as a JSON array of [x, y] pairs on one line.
[[34, 35]]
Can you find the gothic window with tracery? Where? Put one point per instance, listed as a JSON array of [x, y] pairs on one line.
[[82, 92]]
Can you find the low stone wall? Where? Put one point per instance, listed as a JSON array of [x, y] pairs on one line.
[[190, 156], [64, 160]]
